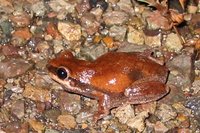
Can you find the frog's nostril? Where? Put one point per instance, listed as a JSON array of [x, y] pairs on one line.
[[62, 73]]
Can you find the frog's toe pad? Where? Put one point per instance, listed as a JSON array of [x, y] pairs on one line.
[[146, 92]]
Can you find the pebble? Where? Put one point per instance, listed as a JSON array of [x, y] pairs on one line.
[[118, 32], [193, 103], [52, 114], [13, 67], [51, 131], [130, 47], [93, 51], [57, 46], [61, 6], [115, 18], [155, 20], [18, 109], [20, 20], [9, 50], [181, 71], [83, 6], [36, 93], [68, 121], [108, 41], [6, 28], [153, 40], [21, 36], [173, 42], [165, 113], [70, 31], [69, 102], [124, 113], [138, 121], [6, 6], [160, 127], [135, 36], [53, 31], [126, 6], [89, 23], [39, 8], [196, 86], [36, 125]]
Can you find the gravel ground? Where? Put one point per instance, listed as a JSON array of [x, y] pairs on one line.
[[34, 31]]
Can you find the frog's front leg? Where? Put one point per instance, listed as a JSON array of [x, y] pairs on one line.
[[145, 91], [103, 107]]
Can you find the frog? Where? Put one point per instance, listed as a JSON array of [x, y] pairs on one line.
[[113, 79]]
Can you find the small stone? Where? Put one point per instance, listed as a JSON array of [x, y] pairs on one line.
[[52, 114], [6, 28], [37, 94], [108, 41], [20, 20], [53, 31], [153, 41], [118, 32], [69, 102], [6, 7], [9, 50], [184, 120], [97, 12], [156, 20], [83, 6], [70, 31], [181, 71], [193, 103], [18, 109], [21, 36], [126, 5], [94, 51], [42, 47], [138, 121], [68, 121], [196, 86], [165, 113], [159, 127], [148, 107], [130, 47], [135, 36], [36, 125], [88, 21], [124, 113], [115, 18], [51, 131], [13, 67], [38, 8], [61, 5], [173, 43], [57, 46]]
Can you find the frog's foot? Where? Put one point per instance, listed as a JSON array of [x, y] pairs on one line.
[[103, 107], [148, 91]]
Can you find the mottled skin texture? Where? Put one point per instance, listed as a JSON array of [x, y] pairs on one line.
[[113, 79]]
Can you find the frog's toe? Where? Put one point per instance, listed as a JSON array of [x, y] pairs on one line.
[[146, 92]]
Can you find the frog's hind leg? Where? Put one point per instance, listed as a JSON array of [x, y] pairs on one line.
[[142, 92]]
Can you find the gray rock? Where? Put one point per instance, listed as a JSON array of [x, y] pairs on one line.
[[181, 70], [194, 104], [130, 47], [13, 67], [93, 51]]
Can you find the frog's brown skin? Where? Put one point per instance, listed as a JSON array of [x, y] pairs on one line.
[[113, 79]]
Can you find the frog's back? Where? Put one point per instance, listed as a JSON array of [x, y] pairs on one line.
[[115, 71]]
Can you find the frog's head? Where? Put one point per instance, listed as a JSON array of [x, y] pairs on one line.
[[67, 70]]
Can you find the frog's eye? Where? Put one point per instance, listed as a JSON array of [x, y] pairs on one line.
[[62, 73]]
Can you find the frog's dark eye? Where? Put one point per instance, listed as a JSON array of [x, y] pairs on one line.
[[62, 73]]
